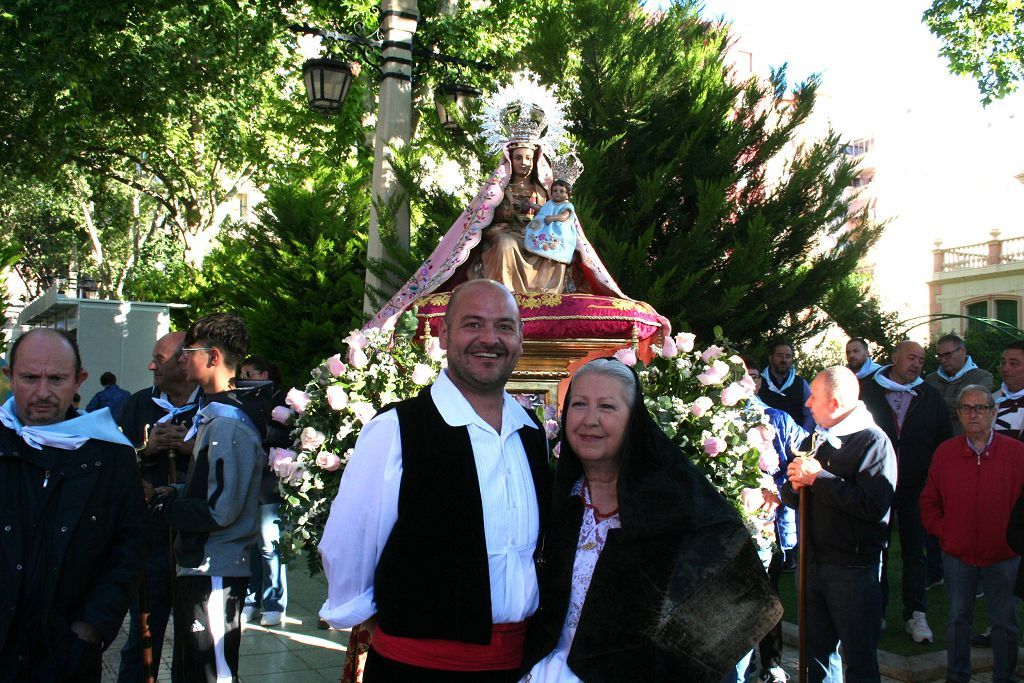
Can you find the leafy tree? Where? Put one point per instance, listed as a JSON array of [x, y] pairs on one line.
[[983, 40], [852, 306], [296, 275], [676, 196]]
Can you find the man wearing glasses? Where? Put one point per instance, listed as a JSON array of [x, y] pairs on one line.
[[956, 370], [973, 483]]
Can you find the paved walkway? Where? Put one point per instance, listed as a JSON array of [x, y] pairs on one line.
[[298, 652]]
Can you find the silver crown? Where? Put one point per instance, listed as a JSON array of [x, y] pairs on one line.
[[523, 112], [523, 122], [567, 167]]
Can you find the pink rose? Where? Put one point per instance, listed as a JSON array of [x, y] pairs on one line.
[[700, 406], [714, 446], [278, 454], [669, 350], [712, 351], [335, 366], [363, 411], [422, 374], [357, 358], [288, 470], [733, 394], [626, 356], [356, 340], [281, 414], [297, 399], [751, 499], [768, 459], [684, 341], [328, 461], [311, 439], [714, 374], [434, 350], [551, 429], [747, 383], [337, 397]]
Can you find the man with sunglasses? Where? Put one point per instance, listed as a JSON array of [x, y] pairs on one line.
[[973, 484], [956, 370]]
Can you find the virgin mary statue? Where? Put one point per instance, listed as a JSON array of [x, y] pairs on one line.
[[526, 123]]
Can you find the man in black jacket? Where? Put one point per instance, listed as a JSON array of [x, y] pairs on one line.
[[914, 416], [72, 536], [850, 482]]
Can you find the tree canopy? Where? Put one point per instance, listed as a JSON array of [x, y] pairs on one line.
[[982, 39]]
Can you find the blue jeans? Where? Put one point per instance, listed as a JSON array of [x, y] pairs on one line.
[[843, 605], [159, 576], [961, 584], [907, 511], [268, 585]]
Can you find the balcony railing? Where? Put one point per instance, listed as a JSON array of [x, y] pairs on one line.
[[992, 253]]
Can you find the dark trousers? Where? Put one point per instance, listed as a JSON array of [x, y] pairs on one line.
[[843, 606], [159, 578], [906, 513], [770, 648], [207, 627], [380, 669]]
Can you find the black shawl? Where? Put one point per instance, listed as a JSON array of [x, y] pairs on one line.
[[678, 594]]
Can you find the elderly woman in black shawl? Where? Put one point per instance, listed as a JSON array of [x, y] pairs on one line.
[[647, 573]]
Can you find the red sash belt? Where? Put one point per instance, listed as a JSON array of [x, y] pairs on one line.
[[504, 652]]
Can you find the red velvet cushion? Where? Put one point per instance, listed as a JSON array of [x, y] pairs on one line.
[[563, 316]]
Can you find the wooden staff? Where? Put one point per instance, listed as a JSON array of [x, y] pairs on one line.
[[801, 571]]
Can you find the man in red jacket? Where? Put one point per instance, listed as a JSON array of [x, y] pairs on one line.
[[973, 483]]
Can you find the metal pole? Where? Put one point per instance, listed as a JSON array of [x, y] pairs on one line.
[[394, 128]]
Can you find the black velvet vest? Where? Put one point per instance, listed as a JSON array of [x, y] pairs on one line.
[[791, 402], [432, 580]]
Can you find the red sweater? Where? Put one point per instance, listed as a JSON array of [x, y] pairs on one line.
[[967, 499]]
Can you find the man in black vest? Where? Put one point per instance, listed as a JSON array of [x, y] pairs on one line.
[[431, 540], [782, 388]]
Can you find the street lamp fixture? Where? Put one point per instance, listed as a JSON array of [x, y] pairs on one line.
[[452, 103], [327, 83]]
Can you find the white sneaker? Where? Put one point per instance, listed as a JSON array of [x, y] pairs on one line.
[[274, 619], [248, 613], [917, 627]]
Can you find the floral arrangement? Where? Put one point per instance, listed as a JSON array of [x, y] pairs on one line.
[[699, 398], [327, 414]]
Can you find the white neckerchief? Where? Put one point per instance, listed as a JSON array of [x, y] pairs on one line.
[[969, 365], [857, 420], [869, 368], [68, 435], [766, 375], [1007, 395], [891, 385], [172, 410], [215, 409]]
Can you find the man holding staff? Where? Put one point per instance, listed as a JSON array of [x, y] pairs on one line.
[[850, 479]]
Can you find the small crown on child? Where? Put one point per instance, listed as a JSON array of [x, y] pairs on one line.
[[567, 167]]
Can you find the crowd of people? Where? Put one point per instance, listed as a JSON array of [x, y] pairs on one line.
[[462, 557]]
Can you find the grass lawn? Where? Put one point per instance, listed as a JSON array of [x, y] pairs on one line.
[[895, 639]]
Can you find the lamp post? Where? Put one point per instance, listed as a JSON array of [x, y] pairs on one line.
[[327, 82]]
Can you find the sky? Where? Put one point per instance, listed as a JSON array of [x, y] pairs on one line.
[[883, 76]]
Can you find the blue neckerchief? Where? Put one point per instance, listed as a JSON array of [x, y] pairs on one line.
[[869, 368], [172, 410], [766, 375], [891, 385], [68, 435], [211, 410], [969, 365]]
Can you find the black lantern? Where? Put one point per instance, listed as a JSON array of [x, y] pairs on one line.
[[451, 98], [327, 82]]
